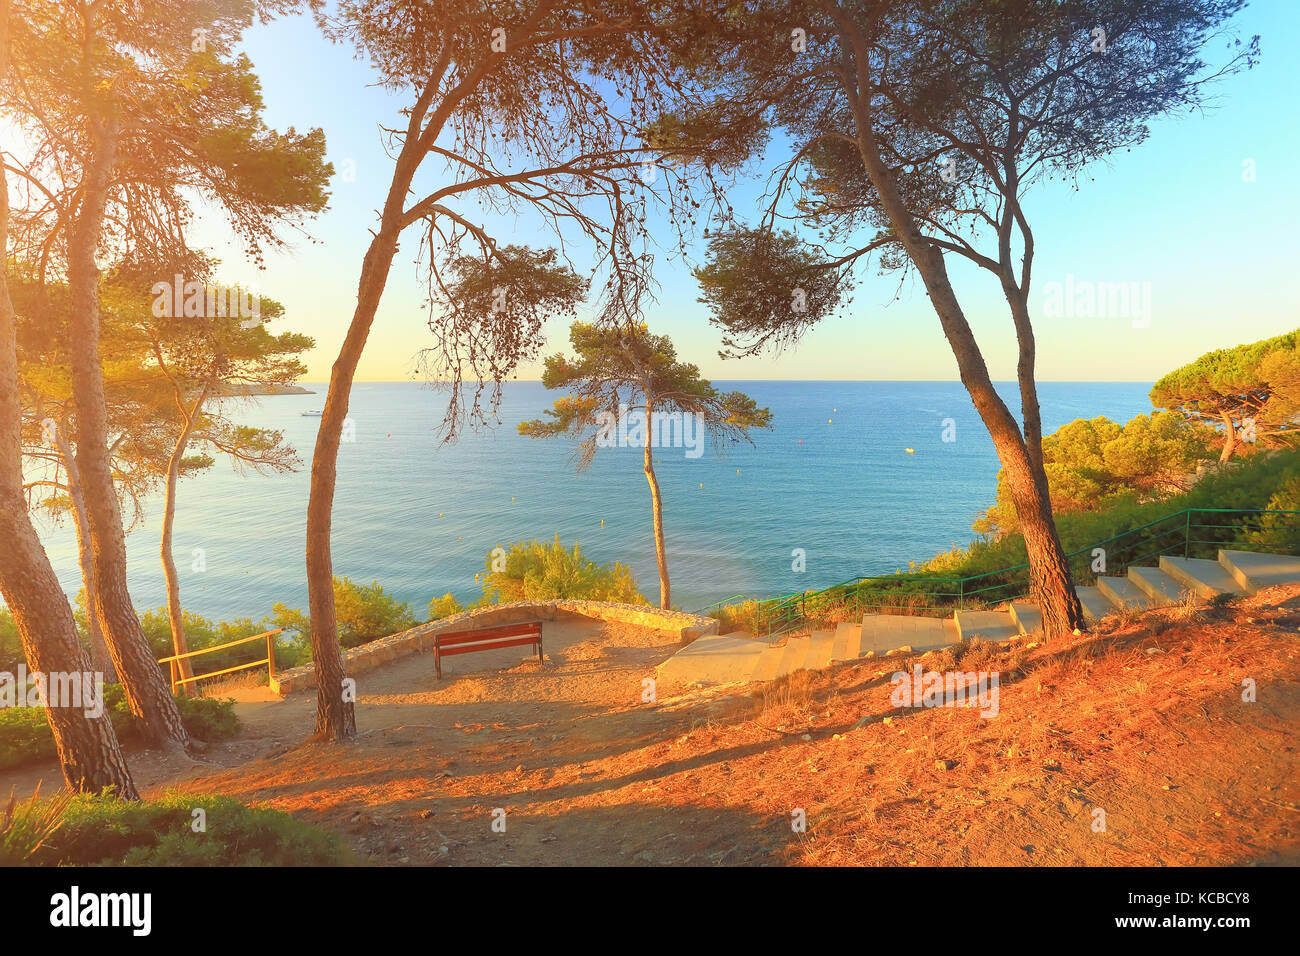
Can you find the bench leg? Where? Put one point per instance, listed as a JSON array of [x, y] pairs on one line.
[[540, 660]]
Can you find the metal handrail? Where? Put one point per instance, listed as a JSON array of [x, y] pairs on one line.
[[783, 612], [269, 660]]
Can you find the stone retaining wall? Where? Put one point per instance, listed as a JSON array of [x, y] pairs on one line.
[[371, 655]]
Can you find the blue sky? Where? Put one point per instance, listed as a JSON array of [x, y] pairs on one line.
[[1175, 216]]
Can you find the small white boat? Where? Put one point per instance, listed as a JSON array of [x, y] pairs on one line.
[[314, 413]]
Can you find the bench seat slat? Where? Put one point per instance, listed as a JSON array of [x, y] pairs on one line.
[[490, 646]]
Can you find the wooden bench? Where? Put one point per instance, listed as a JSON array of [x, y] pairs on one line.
[[486, 639]]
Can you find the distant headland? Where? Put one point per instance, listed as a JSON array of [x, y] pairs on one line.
[[245, 391]]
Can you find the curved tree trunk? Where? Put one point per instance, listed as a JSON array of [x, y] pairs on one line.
[[175, 614], [89, 754], [146, 690], [1229, 436], [657, 507], [102, 660], [1050, 576], [335, 714]]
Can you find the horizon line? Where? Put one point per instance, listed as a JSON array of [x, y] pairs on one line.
[[925, 381]]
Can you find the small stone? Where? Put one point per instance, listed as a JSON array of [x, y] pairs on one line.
[[945, 764], [645, 856], [806, 737], [443, 850], [426, 814]]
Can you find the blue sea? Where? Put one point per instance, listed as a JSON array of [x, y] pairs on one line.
[[832, 477]]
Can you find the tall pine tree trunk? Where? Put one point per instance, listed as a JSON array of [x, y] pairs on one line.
[[1050, 578], [175, 613], [100, 658], [335, 713], [657, 508], [88, 750], [146, 689]]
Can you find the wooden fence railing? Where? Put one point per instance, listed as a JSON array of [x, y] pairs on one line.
[[269, 660]]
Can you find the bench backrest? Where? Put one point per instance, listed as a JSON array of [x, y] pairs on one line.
[[490, 636]]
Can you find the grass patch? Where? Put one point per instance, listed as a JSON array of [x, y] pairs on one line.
[[85, 830]]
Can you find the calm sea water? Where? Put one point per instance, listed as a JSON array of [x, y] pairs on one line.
[[832, 477]]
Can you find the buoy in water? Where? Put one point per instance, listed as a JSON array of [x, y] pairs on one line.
[[910, 451], [602, 522]]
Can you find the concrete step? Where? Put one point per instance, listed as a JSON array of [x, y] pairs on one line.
[[819, 650], [987, 625], [1205, 578], [1254, 570], [1162, 588], [1027, 616], [714, 659], [882, 633], [1124, 592], [768, 663], [1095, 604], [848, 642], [795, 650]]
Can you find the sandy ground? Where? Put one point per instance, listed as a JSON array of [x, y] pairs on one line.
[[1142, 719]]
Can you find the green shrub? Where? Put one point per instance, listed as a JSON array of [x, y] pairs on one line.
[[444, 606], [1280, 532], [1093, 464], [25, 733], [209, 718], [105, 831], [11, 648], [24, 737], [543, 572], [364, 612]]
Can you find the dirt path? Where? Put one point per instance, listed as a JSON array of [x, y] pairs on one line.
[[434, 759], [1143, 720]]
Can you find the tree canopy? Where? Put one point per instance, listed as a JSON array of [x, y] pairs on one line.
[[1091, 462], [1252, 391]]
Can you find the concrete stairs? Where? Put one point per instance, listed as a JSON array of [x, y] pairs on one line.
[[739, 657]]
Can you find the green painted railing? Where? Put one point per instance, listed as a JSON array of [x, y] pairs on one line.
[[1191, 533]]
